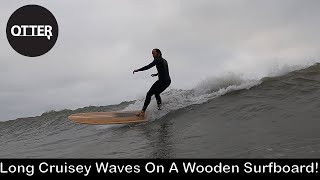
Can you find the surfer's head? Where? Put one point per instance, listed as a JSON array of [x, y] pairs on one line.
[[156, 53]]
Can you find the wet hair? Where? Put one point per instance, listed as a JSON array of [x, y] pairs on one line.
[[158, 51]]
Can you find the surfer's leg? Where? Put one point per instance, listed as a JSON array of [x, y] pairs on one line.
[[151, 92], [162, 87], [147, 101], [158, 98]]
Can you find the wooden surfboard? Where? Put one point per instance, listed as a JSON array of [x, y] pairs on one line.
[[114, 117]]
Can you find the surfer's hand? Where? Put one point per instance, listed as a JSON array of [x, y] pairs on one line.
[[135, 71], [152, 75]]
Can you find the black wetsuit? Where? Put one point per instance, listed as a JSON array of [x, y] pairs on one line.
[[161, 84]]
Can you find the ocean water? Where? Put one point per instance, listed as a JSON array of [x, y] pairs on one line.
[[225, 117]]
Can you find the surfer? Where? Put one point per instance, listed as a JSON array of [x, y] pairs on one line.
[[161, 84]]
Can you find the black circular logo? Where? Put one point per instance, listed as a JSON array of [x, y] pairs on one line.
[[32, 30]]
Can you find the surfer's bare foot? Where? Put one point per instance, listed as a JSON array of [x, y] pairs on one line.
[[159, 106], [140, 114]]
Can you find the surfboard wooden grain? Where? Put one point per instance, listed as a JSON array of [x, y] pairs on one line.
[[114, 117]]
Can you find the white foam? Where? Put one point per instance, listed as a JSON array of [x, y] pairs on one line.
[[174, 99], [210, 88]]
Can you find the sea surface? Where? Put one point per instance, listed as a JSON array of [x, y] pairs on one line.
[[230, 117]]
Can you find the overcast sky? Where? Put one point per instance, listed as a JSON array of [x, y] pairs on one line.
[[100, 43]]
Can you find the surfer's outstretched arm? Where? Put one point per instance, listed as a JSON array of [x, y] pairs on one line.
[[153, 63]]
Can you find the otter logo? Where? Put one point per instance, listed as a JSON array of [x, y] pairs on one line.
[[32, 30], [41, 30]]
